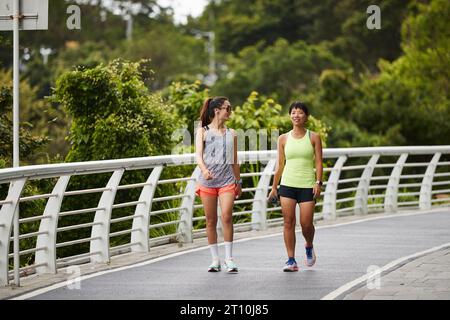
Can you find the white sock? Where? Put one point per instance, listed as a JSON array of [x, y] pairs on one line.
[[214, 251], [228, 250]]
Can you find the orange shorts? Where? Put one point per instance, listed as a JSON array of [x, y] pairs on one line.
[[205, 191]]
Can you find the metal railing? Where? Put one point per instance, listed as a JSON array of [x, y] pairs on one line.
[[357, 181]]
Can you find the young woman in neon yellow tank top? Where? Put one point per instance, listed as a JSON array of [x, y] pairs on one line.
[[300, 168]]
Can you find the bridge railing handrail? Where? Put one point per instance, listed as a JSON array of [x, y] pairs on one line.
[[98, 166]]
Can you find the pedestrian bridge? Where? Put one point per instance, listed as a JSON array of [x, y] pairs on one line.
[[77, 214]]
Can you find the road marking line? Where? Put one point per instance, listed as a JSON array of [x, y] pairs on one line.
[[347, 288]]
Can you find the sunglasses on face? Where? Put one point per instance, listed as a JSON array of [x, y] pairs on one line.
[[228, 108]]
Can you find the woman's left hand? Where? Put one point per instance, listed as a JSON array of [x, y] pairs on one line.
[[316, 191], [237, 190]]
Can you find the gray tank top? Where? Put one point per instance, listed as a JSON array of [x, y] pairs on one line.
[[218, 156]]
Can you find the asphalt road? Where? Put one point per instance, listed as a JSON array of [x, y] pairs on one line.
[[344, 252]]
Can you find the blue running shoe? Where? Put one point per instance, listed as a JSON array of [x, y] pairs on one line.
[[310, 256], [290, 266]]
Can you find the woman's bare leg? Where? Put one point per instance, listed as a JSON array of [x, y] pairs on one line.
[[210, 208], [226, 207], [288, 210], [307, 221]]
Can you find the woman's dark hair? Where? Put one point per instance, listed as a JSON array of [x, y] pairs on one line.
[[207, 111], [299, 105]]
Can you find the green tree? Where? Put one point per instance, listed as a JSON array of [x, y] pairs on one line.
[[259, 112], [30, 142], [339, 24], [173, 55], [333, 101], [239, 24], [114, 115], [413, 91], [283, 71], [187, 98], [40, 118], [123, 121], [361, 46]]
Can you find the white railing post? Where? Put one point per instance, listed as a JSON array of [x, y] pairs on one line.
[[6, 224], [48, 225], [329, 200], [187, 212], [427, 183], [100, 246], [390, 202], [141, 220], [363, 186], [259, 208]]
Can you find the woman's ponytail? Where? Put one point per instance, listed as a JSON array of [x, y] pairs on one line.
[[207, 111], [204, 114]]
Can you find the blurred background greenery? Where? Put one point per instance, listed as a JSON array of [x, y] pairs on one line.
[[114, 89], [124, 83]]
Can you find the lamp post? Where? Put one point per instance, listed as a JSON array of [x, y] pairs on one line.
[[26, 15], [45, 52], [129, 19], [127, 10], [212, 77], [16, 62]]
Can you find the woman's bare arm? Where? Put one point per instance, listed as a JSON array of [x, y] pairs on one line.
[[279, 168]]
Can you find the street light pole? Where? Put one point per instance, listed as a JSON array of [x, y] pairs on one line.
[[37, 19], [16, 19], [212, 57], [211, 78], [45, 52], [129, 20]]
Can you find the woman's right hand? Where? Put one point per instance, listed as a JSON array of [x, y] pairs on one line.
[[273, 196], [207, 174]]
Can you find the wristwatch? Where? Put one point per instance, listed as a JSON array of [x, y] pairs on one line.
[[238, 181], [319, 182]]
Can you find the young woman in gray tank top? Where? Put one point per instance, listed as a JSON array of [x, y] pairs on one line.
[[216, 150]]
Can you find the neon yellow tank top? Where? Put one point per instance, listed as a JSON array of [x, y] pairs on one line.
[[299, 168]]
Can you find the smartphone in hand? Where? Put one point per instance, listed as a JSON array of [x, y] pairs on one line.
[[273, 200]]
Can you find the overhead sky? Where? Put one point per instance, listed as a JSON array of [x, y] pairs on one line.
[[183, 8]]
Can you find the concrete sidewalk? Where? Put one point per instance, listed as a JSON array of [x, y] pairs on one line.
[[424, 278]]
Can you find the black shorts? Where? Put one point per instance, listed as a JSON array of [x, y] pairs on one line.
[[298, 194]]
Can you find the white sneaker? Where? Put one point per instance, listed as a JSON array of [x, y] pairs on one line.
[[214, 266], [310, 257], [231, 266]]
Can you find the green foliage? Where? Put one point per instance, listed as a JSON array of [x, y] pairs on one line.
[[41, 119], [413, 91], [284, 70], [340, 24], [239, 24], [125, 120], [256, 113], [187, 100], [352, 78], [364, 47], [265, 113], [334, 100], [87, 55], [173, 55], [29, 144]]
